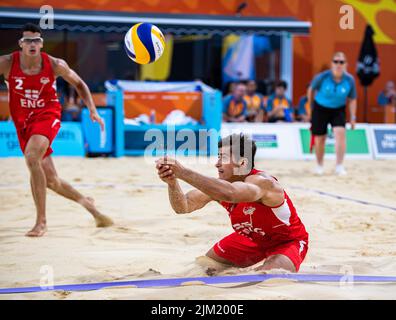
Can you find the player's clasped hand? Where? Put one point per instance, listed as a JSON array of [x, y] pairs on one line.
[[169, 169]]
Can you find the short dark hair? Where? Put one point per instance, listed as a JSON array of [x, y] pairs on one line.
[[31, 27], [247, 147], [281, 83]]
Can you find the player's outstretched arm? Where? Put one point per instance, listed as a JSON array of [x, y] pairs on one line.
[[186, 203], [62, 69], [180, 202], [254, 188]]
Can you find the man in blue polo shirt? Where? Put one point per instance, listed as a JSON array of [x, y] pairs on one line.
[[329, 94]]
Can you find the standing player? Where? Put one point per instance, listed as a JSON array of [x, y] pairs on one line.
[[265, 222], [30, 75]]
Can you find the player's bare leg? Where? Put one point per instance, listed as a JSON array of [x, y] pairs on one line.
[[212, 263], [34, 152], [66, 190], [277, 261]]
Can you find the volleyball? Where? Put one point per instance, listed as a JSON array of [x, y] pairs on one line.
[[144, 43]]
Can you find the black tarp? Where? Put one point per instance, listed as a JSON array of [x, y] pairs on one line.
[[368, 63]]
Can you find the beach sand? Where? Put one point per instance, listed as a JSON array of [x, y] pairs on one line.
[[149, 241]]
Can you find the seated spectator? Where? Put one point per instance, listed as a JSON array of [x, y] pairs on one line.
[[388, 96], [234, 106], [71, 110], [254, 103], [279, 106]]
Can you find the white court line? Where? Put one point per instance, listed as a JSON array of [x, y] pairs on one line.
[[163, 186], [339, 197]]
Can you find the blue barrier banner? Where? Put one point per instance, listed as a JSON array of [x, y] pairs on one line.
[[68, 142], [385, 141], [98, 141], [9, 144]]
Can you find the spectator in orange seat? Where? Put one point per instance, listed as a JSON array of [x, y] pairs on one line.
[[279, 106], [254, 103], [234, 106]]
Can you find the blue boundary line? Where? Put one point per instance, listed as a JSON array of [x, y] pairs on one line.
[[174, 282]]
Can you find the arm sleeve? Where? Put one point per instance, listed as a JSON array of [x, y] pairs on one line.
[[352, 92], [270, 104], [316, 81]]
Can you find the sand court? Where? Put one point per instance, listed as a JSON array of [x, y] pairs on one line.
[[149, 241]]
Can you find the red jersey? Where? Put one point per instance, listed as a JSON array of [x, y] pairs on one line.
[[32, 97], [263, 224]]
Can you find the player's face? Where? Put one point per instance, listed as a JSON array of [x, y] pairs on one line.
[[31, 43], [225, 164]]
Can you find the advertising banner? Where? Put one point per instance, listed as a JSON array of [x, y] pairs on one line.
[[68, 142], [384, 141], [274, 141]]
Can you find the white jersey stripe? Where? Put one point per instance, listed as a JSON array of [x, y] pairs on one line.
[[283, 213]]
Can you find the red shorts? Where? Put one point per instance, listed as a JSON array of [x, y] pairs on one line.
[[47, 127], [243, 252]]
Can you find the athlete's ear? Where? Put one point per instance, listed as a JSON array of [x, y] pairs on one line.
[[243, 162], [243, 166], [20, 43]]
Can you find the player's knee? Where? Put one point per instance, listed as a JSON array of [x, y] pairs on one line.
[[279, 262], [53, 182], [33, 158]]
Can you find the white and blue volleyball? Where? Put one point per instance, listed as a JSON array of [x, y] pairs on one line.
[[144, 43]]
